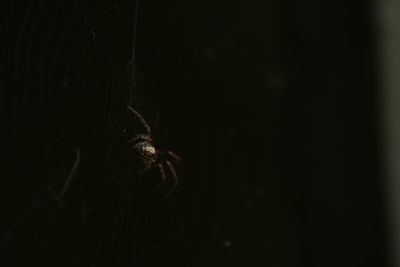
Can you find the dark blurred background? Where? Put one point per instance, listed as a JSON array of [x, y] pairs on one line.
[[274, 106]]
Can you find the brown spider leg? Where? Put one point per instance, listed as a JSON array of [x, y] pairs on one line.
[[54, 195], [174, 156], [174, 175], [148, 129], [141, 136], [71, 173], [163, 176]]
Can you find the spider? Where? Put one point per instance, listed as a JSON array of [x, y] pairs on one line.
[[150, 157]]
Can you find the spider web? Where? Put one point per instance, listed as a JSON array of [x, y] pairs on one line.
[[207, 76], [82, 73]]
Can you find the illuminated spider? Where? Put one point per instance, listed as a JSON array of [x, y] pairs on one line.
[[149, 156]]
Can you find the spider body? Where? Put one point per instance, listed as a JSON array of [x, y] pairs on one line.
[[145, 149], [150, 157], [146, 153]]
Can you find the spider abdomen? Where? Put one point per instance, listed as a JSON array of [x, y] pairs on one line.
[[145, 149], [148, 156]]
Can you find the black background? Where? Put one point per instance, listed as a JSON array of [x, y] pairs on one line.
[[271, 104]]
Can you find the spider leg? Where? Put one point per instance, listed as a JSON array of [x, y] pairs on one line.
[[71, 174], [174, 156], [146, 126], [174, 175], [163, 176], [54, 195], [141, 136]]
